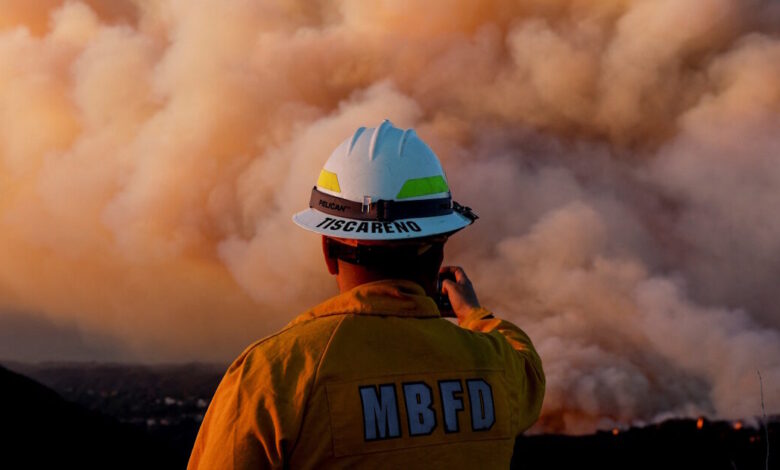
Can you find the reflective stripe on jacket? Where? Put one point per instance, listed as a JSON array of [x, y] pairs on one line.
[[375, 378]]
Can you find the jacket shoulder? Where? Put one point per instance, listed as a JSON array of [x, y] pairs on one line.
[[306, 339], [255, 415]]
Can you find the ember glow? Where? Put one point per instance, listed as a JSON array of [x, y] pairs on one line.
[[624, 157]]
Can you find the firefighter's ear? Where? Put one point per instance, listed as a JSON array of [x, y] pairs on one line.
[[331, 261]]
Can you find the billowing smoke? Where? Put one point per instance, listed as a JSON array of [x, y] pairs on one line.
[[624, 156]]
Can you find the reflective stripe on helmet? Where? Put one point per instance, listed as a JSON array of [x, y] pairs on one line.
[[422, 187], [328, 180]]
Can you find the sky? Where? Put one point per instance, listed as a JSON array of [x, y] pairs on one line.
[[623, 156]]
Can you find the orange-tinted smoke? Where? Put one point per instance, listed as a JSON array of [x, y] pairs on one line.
[[623, 156]]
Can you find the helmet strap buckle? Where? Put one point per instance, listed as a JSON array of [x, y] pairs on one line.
[[366, 208], [464, 211]]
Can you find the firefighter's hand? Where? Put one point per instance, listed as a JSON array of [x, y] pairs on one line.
[[460, 292]]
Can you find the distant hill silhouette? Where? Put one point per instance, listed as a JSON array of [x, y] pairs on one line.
[[42, 430], [673, 444], [167, 401]]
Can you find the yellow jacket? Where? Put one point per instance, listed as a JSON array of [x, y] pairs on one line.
[[375, 378]]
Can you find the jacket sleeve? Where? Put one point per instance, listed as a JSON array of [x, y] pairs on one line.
[[523, 364], [255, 415]]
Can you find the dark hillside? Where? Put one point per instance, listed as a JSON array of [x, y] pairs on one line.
[[42, 430], [673, 444]]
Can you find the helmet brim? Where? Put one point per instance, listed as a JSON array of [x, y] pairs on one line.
[[339, 227]]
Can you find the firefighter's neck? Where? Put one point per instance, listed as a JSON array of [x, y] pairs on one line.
[[350, 276]]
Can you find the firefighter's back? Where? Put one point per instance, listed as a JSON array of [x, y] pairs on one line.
[[398, 391]]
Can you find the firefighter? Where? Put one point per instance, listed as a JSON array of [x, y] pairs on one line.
[[375, 377]]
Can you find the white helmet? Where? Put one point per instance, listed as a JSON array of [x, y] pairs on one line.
[[384, 183]]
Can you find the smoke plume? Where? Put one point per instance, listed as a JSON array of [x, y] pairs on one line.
[[624, 157]]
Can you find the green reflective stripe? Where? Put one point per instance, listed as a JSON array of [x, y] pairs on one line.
[[328, 180], [423, 186]]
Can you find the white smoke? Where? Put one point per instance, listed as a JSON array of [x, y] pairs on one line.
[[624, 158]]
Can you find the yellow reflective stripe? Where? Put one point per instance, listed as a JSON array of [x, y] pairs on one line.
[[423, 186], [328, 180]]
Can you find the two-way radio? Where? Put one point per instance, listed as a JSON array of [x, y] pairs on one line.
[[442, 299]]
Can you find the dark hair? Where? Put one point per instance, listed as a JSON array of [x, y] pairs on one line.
[[390, 257]]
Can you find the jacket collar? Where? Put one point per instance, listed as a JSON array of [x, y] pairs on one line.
[[397, 298]]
